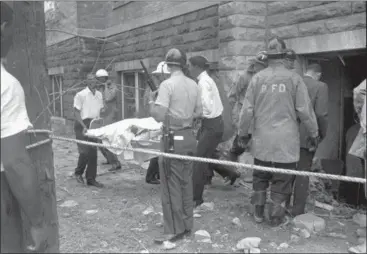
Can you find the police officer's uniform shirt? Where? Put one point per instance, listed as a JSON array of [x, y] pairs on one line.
[[181, 96], [14, 116], [88, 104], [274, 99], [212, 104]]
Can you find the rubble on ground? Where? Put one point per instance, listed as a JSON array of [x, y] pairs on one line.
[[310, 222], [202, 236], [236, 221], [249, 245], [360, 219], [167, 245]]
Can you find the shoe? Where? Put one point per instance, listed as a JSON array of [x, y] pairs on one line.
[[115, 168], [163, 238], [259, 213], [105, 163], [276, 221], [95, 184], [153, 181], [79, 178]]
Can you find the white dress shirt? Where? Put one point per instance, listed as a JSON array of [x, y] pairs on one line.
[[212, 104], [14, 116], [88, 104]]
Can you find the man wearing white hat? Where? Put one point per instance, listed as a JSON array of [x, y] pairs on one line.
[[160, 74], [109, 91]]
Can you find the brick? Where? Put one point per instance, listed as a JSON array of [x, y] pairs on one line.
[[285, 6], [200, 35], [238, 7], [166, 42], [358, 7], [184, 28], [178, 20], [241, 33], [157, 35], [240, 20], [162, 25], [170, 31], [285, 32], [208, 12], [140, 46], [351, 22], [203, 24], [233, 62], [244, 48], [177, 40], [311, 14], [312, 28], [204, 45], [191, 16]]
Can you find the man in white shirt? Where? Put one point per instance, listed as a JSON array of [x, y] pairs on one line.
[[212, 126], [19, 175], [88, 104]]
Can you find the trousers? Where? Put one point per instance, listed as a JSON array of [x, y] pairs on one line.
[[110, 157], [153, 170], [209, 137], [87, 160], [19, 191], [301, 183], [176, 186]]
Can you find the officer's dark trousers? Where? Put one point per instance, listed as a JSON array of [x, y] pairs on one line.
[[87, 154], [209, 137], [110, 157], [301, 183], [153, 170], [19, 190], [176, 186], [281, 186]]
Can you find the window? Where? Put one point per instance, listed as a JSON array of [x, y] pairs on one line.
[[56, 95], [133, 88]]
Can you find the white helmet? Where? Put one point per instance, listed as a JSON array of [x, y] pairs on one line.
[[101, 73], [162, 68]]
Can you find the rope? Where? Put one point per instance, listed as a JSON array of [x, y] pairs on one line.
[[220, 162], [39, 143]]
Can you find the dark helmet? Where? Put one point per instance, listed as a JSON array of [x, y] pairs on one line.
[[276, 48], [176, 57]]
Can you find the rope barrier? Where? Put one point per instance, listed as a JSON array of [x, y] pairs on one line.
[[39, 143], [220, 162]]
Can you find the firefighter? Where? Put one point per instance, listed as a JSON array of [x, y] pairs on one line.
[[179, 101], [109, 92], [281, 97]]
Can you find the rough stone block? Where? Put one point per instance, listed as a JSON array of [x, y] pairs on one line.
[[312, 28], [241, 33], [239, 7], [177, 40], [233, 62], [184, 28], [285, 32], [285, 6], [310, 222], [359, 6], [208, 12], [170, 31], [243, 48], [191, 16], [325, 11], [204, 45], [351, 22], [241, 20], [166, 42], [200, 35], [157, 35], [178, 21], [203, 24], [162, 25]]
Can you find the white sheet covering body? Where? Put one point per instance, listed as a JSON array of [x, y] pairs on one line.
[[119, 134]]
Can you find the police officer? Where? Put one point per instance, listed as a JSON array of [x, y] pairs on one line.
[[109, 92], [179, 101], [281, 97], [160, 74], [318, 93]]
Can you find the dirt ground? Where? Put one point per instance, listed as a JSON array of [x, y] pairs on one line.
[[112, 219]]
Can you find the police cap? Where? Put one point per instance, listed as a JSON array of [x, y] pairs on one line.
[[176, 57]]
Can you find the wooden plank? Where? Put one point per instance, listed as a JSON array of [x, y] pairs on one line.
[[28, 66]]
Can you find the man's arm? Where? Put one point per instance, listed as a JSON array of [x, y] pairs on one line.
[[206, 97], [304, 109], [321, 109], [78, 103], [198, 111], [159, 108], [247, 110]]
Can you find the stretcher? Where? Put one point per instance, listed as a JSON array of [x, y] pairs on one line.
[[148, 136]]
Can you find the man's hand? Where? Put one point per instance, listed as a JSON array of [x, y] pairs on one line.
[[316, 164], [85, 129], [243, 141], [314, 142]]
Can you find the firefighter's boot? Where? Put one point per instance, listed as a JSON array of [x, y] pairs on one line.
[[258, 200]]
